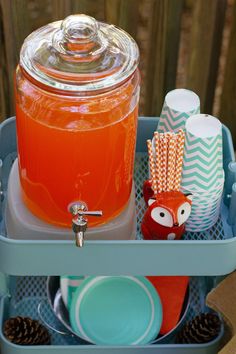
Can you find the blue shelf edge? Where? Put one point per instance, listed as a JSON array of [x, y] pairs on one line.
[[118, 257], [10, 348]]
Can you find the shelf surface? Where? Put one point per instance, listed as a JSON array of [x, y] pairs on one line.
[[208, 253]]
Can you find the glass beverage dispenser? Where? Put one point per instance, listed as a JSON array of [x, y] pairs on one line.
[[77, 92]]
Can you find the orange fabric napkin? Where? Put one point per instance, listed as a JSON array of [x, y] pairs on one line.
[[172, 292]]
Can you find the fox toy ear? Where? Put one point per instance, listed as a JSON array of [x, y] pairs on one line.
[[189, 196], [151, 201]]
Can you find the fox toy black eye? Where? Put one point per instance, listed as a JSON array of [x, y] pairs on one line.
[[183, 212], [162, 215]]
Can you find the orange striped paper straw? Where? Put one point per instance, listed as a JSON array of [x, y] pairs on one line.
[[179, 159], [152, 166], [158, 162], [171, 162], [164, 150]]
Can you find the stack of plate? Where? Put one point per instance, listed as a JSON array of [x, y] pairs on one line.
[[112, 310]]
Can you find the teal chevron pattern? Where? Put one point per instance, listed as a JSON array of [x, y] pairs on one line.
[[212, 195], [202, 176], [205, 213], [195, 188], [209, 209], [208, 148], [200, 225], [205, 220], [193, 184], [198, 207], [203, 165], [203, 209], [209, 212], [171, 120], [202, 193], [199, 158]]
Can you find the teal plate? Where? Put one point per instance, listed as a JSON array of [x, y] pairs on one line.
[[116, 310], [68, 285]]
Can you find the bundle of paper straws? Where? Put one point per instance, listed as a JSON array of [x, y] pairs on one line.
[[166, 160]]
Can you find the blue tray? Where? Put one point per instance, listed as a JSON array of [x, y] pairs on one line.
[[198, 254], [28, 292]]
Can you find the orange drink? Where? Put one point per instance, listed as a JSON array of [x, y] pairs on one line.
[[71, 150]]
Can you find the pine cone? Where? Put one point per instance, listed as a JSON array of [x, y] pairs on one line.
[[25, 331], [201, 329]]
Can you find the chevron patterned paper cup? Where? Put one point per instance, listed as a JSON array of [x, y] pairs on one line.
[[194, 189], [203, 156], [199, 226], [201, 222], [179, 105], [205, 197], [202, 225], [205, 208], [203, 173]]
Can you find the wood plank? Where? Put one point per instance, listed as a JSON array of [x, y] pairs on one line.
[[163, 53], [4, 102], [92, 8], [228, 98], [173, 27], [112, 11], [123, 13], [40, 13], [128, 16], [16, 28], [63, 8], [206, 38]]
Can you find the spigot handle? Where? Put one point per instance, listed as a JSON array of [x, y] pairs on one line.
[[80, 208], [79, 221], [90, 213]]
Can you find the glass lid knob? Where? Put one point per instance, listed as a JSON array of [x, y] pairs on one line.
[[79, 36], [79, 28]]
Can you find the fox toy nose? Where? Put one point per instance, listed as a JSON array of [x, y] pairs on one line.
[[176, 224]]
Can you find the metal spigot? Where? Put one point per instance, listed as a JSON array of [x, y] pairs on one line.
[[79, 211]]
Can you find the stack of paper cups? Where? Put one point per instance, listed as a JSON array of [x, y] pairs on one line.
[[178, 106], [203, 173]]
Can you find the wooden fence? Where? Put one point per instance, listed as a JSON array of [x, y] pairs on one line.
[[182, 43]]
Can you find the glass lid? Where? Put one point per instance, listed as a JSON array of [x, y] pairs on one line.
[[79, 54]]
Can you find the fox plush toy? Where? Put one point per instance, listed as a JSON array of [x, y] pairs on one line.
[[167, 207], [166, 214]]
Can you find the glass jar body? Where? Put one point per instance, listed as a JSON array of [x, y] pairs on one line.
[[75, 148]]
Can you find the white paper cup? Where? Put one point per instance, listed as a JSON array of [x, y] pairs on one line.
[[203, 156], [199, 226], [205, 207], [178, 106]]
